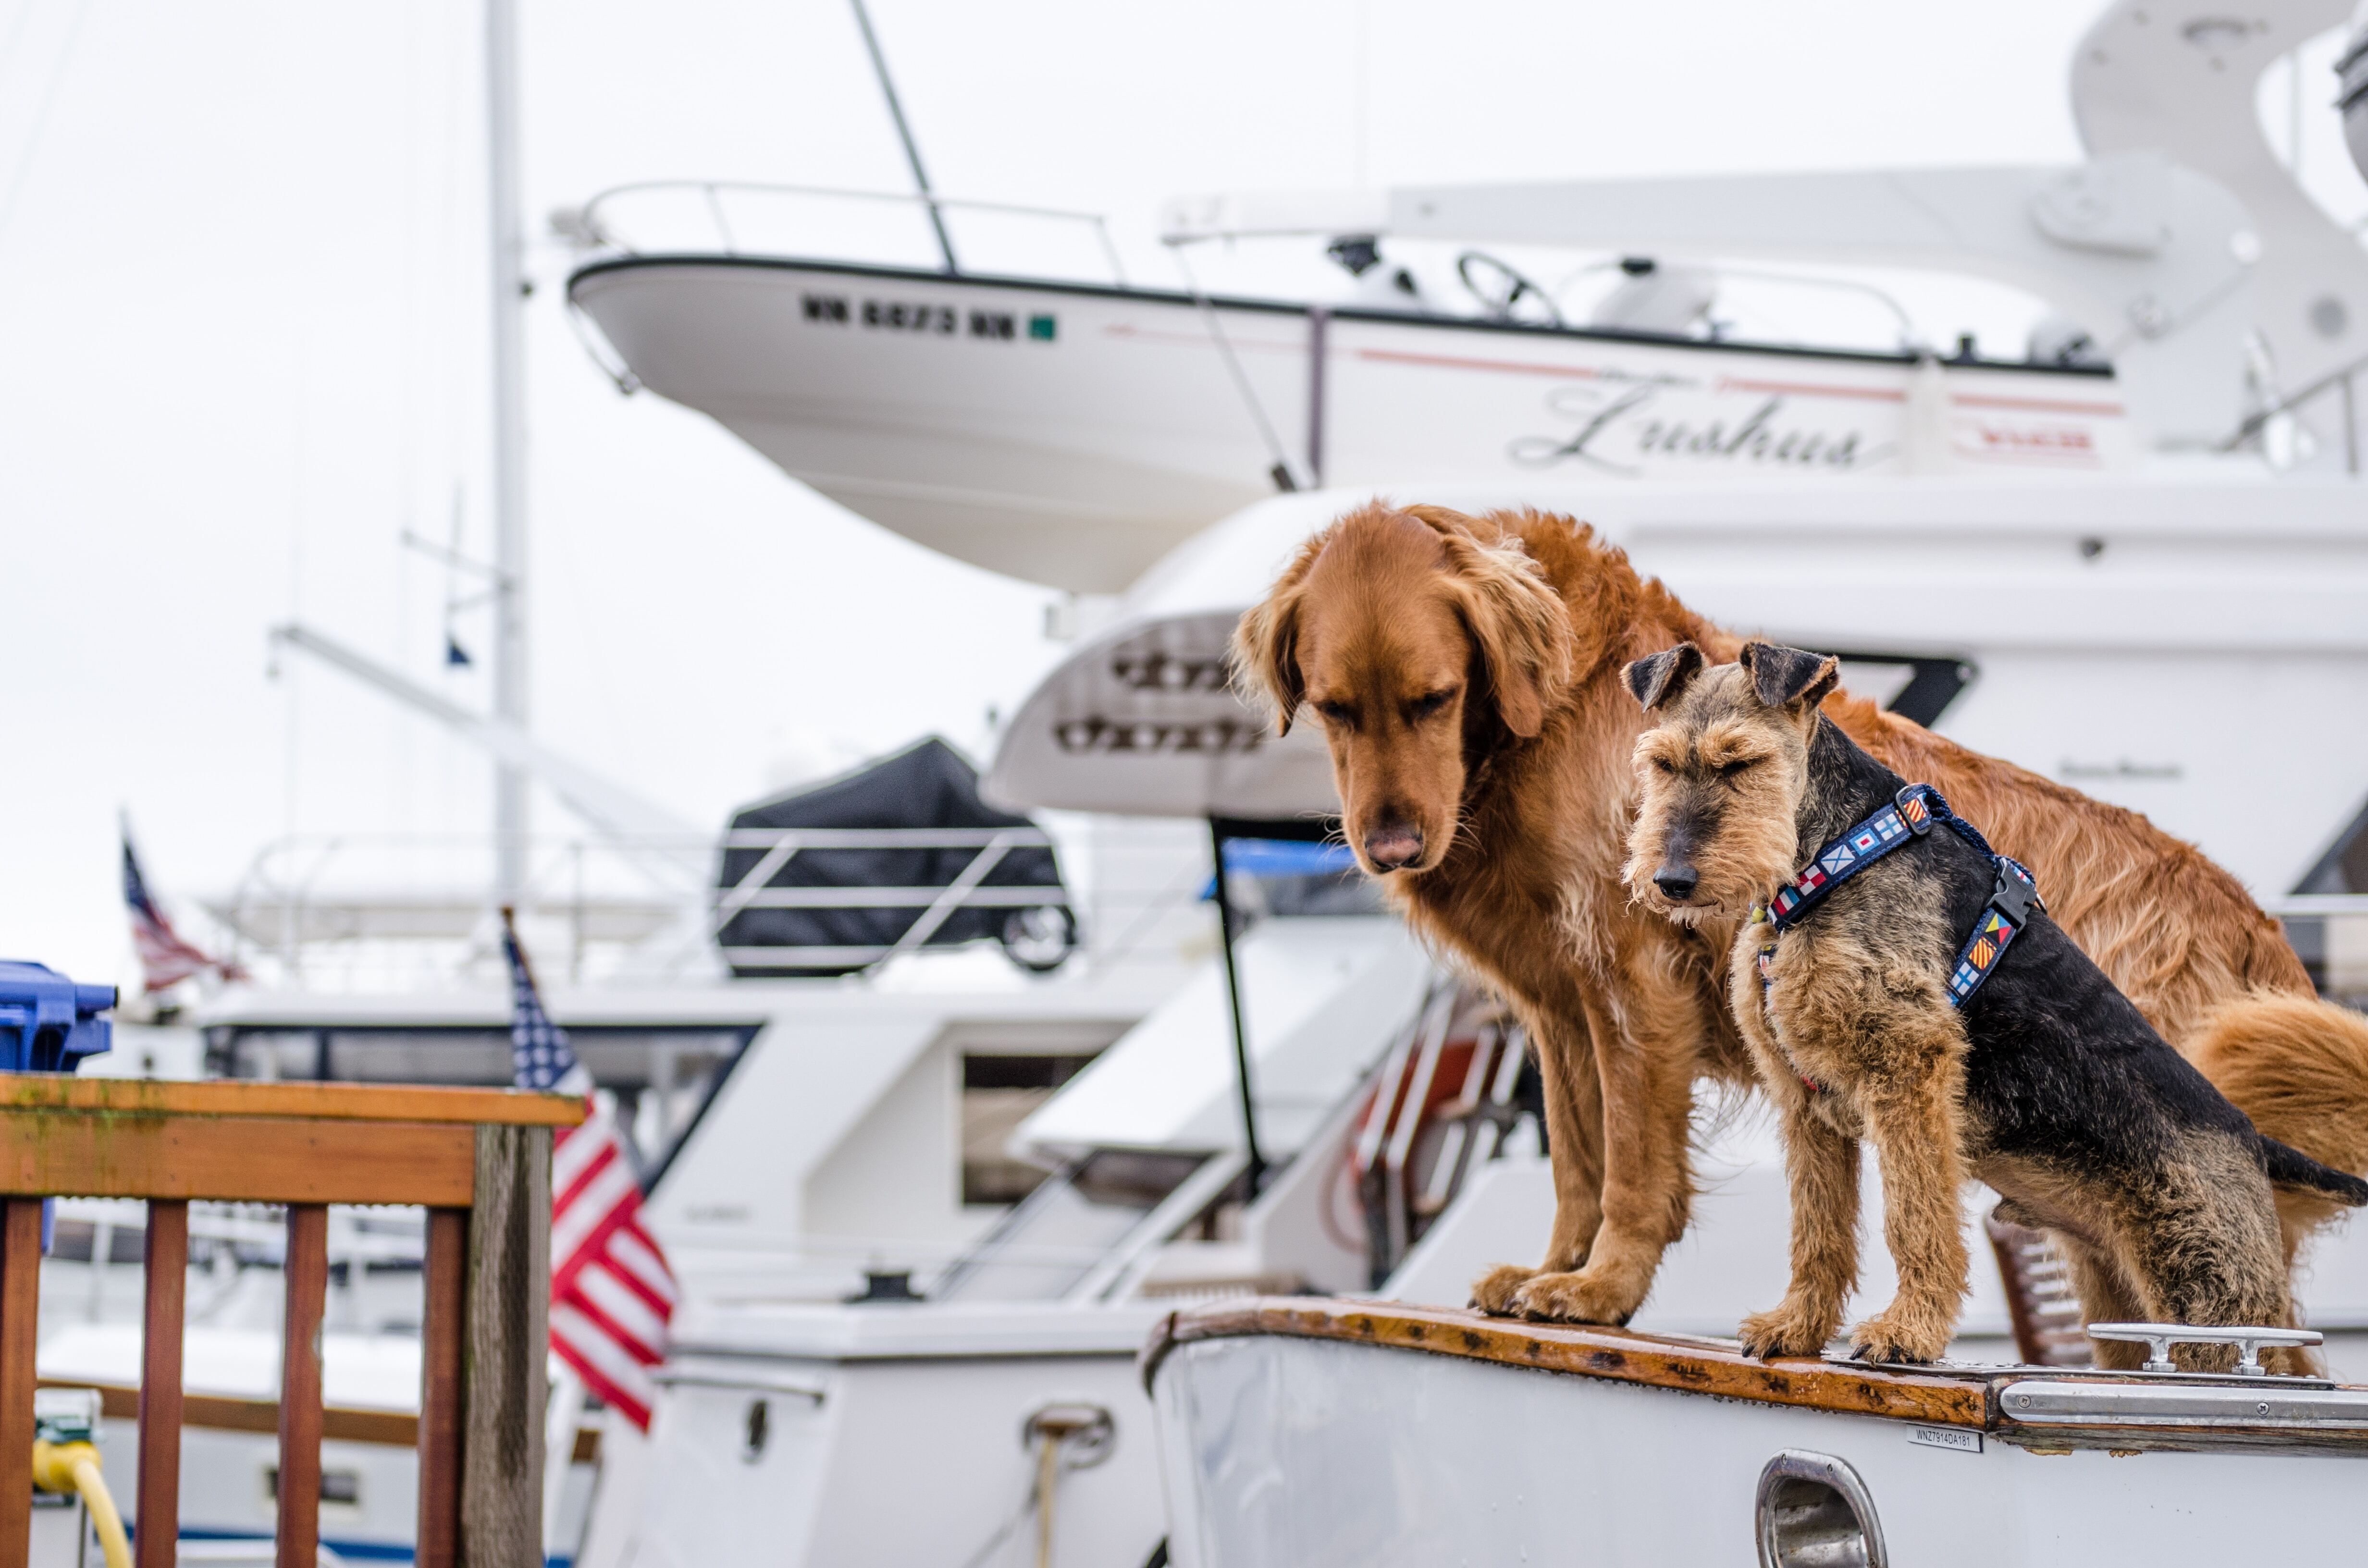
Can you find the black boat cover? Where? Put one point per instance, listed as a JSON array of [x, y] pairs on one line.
[[927, 785]]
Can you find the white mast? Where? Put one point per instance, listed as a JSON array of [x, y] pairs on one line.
[[510, 671]]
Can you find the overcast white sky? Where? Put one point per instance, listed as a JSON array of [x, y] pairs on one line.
[[241, 327]]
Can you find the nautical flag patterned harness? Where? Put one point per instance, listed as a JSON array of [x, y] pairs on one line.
[[1909, 816]]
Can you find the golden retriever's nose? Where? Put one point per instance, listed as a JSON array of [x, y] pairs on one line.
[[1677, 882], [1396, 845]]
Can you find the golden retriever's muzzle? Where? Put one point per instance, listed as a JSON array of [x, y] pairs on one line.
[[1394, 845]]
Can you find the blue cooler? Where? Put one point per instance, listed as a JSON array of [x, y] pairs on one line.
[[47, 1024]]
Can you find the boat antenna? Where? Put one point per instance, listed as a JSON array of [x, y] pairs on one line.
[[904, 133], [508, 574]]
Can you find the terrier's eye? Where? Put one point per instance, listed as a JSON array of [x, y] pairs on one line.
[[1424, 707], [1663, 765], [1739, 765]]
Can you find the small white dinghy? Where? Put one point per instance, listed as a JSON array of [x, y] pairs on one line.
[[1315, 1432]]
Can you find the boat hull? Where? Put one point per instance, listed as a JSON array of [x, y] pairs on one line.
[[1070, 434], [1313, 1452]]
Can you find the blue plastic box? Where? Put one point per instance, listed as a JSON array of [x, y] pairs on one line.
[[47, 1024]]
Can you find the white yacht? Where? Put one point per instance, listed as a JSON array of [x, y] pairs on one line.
[[2057, 558]]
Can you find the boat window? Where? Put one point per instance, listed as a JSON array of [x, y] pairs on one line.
[[999, 1091], [663, 1079]]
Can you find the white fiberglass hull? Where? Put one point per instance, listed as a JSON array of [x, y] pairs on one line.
[[1071, 435], [1313, 1452], [889, 1434]]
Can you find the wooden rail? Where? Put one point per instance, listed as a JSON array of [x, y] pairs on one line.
[[478, 1160]]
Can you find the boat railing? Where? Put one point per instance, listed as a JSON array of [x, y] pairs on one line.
[[2337, 383], [383, 911], [366, 912], [766, 884], [760, 218], [479, 1162]]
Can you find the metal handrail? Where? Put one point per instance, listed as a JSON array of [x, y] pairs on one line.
[[937, 905], [292, 879], [585, 224], [2338, 380]]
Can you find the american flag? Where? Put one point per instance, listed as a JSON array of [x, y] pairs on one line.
[[166, 959], [611, 1292]]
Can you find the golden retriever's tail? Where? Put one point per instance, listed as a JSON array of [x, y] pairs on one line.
[[2298, 1066]]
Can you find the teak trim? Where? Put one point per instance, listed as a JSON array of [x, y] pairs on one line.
[[1614, 1354]]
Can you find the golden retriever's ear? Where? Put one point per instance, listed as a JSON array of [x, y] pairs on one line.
[[1789, 677], [1663, 677], [1266, 642], [1519, 623]]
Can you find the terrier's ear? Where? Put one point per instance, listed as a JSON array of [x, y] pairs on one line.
[[1266, 642], [1662, 677], [1788, 677]]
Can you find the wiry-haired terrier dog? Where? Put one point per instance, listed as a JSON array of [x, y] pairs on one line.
[[1908, 990]]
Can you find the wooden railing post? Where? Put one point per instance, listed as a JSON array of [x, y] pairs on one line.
[[167, 1264], [442, 1332], [504, 1378], [307, 1272], [477, 1160], [20, 1308]]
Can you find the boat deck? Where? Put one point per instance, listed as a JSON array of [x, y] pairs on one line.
[[2040, 1408]]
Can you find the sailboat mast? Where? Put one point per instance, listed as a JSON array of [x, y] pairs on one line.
[[507, 234]]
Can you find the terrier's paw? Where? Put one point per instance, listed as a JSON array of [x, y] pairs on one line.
[[1493, 1291], [1585, 1296], [1896, 1335], [1787, 1329]]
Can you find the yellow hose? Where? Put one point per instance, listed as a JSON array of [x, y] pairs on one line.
[[70, 1468]]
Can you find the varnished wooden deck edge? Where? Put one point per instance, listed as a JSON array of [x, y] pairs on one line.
[[1610, 1354]]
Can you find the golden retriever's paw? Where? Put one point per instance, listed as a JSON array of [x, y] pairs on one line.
[[1493, 1291], [1585, 1296], [1897, 1334], [1789, 1328]]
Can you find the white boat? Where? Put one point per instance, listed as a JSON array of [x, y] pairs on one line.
[[1320, 1432], [1070, 431], [1072, 434]]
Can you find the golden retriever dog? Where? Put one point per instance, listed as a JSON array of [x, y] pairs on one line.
[[1466, 672]]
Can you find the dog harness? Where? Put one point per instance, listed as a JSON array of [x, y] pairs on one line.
[[1909, 816]]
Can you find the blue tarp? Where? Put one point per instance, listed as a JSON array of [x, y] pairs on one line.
[[1272, 858]]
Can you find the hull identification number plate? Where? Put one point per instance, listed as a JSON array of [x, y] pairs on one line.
[[1956, 1439]]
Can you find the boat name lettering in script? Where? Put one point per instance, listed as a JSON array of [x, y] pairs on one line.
[[1624, 429], [940, 321]]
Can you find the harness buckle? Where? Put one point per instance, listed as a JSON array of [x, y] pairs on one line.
[[2015, 892]]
